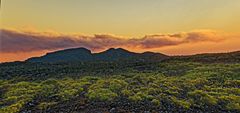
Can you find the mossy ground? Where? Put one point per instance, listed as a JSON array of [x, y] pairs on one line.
[[171, 86]]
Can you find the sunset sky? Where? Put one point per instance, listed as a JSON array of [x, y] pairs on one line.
[[174, 27]]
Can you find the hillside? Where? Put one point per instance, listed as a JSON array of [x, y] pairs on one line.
[[231, 57], [119, 81], [83, 54], [112, 54]]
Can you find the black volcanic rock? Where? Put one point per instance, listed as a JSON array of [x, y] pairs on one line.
[[83, 54]]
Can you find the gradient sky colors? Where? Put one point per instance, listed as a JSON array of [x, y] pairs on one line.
[[168, 26]]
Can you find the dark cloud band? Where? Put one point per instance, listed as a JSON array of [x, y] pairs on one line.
[[15, 41]]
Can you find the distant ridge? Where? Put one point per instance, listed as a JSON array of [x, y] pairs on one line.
[[83, 54], [116, 54], [229, 57]]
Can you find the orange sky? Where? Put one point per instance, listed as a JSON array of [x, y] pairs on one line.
[[185, 49], [174, 27], [22, 44]]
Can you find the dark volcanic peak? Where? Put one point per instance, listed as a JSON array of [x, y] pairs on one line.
[[113, 54], [116, 54], [71, 51], [73, 54], [83, 54], [117, 50], [80, 49]]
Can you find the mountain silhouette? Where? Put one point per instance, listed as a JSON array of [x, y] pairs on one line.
[[114, 54], [83, 54], [74, 54], [118, 54]]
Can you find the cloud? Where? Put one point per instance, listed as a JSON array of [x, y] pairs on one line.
[[28, 41]]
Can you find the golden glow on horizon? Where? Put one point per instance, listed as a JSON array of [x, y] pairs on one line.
[[185, 49], [185, 43]]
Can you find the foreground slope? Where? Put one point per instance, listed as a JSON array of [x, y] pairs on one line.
[[173, 85]]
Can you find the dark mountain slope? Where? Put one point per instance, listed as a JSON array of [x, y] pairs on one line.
[[114, 54], [83, 54], [68, 55]]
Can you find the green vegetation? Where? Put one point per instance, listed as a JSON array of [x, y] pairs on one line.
[[158, 86]]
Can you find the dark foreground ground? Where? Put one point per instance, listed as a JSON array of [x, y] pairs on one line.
[[120, 87]]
